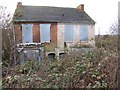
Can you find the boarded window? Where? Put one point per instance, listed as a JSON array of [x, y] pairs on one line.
[[83, 32], [27, 36], [31, 54], [44, 33], [68, 33]]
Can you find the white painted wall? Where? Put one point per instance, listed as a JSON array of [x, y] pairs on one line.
[[60, 43], [76, 34], [91, 35], [91, 31]]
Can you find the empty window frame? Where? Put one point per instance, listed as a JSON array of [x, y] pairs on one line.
[[45, 33], [68, 37], [27, 36], [83, 32]]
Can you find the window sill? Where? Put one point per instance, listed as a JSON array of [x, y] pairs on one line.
[[68, 41], [45, 42], [84, 40]]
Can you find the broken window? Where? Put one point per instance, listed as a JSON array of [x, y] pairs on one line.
[[83, 32], [44, 33], [68, 37], [27, 36]]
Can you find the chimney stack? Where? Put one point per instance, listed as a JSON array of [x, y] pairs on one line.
[[19, 4], [81, 7]]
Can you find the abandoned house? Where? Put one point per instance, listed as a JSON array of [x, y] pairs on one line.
[[44, 32]]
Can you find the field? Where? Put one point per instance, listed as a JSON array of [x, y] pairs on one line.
[[95, 68]]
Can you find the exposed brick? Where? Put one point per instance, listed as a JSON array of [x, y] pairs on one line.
[[18, 33], [36, 33], [53, 38], [53, 34]]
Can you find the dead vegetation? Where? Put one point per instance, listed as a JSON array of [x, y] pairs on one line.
[[91, 69]]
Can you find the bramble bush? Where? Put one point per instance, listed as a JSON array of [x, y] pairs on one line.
[[89, 69]]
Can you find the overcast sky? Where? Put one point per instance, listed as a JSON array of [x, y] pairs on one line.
[[104, 12]]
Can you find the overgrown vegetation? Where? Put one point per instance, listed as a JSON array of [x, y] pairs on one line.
[[95, 68]]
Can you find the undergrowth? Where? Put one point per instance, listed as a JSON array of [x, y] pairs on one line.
[[89, 69]]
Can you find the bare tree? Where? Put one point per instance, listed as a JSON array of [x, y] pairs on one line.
[[114, 28], [5, 18], [6, 28]]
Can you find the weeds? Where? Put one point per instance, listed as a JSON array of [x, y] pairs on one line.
[[89, 69]]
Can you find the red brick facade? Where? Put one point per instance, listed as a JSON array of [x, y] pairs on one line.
[[18, 33], [36, 34]]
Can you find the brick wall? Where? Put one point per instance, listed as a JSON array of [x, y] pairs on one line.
[[18, 33], [36, 34], [53, 38]]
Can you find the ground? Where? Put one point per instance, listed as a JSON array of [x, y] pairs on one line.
[[96, 68]]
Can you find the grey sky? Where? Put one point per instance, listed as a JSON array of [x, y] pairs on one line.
[[104, 12]]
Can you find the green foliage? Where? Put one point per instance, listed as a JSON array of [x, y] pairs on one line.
[[79, 68], [98, 84], [29, 66]]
